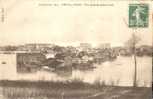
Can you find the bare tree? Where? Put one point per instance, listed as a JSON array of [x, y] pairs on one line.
[[131, 44]]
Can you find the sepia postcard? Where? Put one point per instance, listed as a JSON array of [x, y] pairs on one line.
[[76, 49]]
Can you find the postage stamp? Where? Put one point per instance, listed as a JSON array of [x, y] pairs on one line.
[[138, 15]]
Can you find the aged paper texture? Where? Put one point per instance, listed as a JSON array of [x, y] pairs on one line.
[[75, 49]]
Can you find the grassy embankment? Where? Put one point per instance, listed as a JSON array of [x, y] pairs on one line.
[[69, 90]]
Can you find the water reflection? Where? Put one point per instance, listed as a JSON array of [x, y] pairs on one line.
[[119, 72]]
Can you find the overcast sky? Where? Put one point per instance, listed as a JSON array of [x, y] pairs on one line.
[[26, 22]]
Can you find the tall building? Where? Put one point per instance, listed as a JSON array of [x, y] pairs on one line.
[[85, 46], [105, 45]]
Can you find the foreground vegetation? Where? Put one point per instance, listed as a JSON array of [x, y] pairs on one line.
[[69, 90]]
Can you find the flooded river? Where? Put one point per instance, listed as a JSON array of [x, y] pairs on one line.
[[118, 72]]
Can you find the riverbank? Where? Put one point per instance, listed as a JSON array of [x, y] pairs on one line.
[[69, 90]]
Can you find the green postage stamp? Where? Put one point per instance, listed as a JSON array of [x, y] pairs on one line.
[[138, 15]]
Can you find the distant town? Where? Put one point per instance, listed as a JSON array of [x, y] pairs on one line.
[[51, 57]]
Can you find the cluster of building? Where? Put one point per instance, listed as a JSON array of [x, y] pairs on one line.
[[50, 57], [33, 57]]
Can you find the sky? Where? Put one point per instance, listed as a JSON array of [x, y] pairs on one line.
[[28, 22]]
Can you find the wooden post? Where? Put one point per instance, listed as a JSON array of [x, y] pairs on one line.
[[135, 69], [135, 60], [62, 94]]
